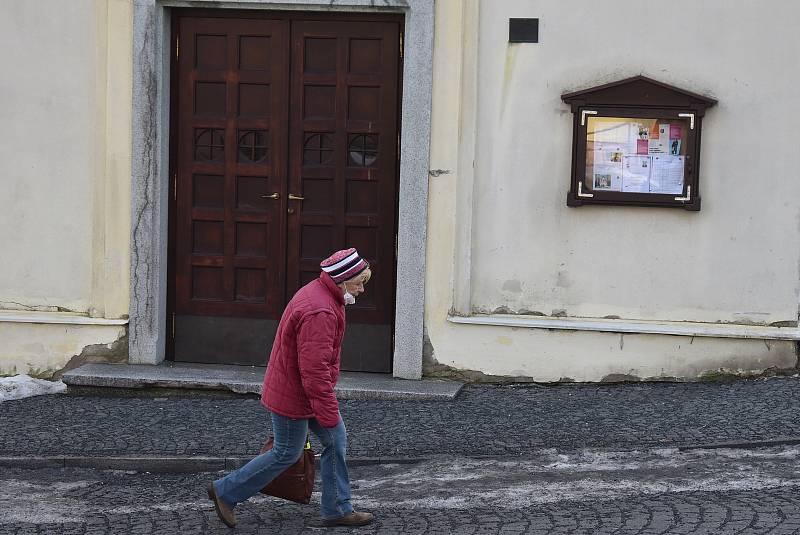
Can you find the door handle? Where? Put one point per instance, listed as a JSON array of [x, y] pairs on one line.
[[273, 196], [293, 197]]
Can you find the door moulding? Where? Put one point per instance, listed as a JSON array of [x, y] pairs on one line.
[[150, 166]]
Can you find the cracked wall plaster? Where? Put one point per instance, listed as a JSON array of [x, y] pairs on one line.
[[114, 353], [22, 307], [44, 350]]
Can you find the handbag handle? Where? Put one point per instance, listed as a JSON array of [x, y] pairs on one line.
[[268, 445]]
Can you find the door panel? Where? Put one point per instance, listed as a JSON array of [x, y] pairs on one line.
[[343, 162], [225, 340], [231, 181]]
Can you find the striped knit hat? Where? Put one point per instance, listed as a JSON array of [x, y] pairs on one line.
[[344, 265]]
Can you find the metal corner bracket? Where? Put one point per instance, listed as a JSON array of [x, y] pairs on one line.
[[688, 195], [691, 119], [581, 193]]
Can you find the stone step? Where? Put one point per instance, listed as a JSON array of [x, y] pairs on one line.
[[248, 380]]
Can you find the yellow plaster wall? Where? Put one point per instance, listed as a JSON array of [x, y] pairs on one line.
[[111, 259], [456, 260], [66, 170]]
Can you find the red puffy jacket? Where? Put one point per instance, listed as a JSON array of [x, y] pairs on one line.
[[304, 363]]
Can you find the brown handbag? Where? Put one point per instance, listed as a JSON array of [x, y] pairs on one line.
[[296, 483]]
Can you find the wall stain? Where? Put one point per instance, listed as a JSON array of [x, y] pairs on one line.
[[504, 340], [514, 286], [620, 378], [563, 280], [508, 71]]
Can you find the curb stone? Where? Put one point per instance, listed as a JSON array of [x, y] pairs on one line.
[[745, 445], [168, 464]]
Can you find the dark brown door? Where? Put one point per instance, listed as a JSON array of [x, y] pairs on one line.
[[231, 186], [286, 150], [343, 160]]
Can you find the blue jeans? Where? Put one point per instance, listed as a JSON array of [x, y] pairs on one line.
[[290, 438]]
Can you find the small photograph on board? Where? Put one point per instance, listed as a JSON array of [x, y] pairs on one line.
[[675, 147], [602, 181]]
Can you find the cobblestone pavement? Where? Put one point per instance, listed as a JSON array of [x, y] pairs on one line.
[[650, 492], [489, 420]]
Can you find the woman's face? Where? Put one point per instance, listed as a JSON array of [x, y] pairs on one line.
[[356, 286]]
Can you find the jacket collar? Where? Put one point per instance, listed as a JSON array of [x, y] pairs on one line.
[[327, 281]]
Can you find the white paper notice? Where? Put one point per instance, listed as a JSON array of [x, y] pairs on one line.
[[667, 174], [611, 152], [636, 174], [660, 145], [607, 170]]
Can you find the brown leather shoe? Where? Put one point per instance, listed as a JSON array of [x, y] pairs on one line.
[[352, 519], [224, 511]]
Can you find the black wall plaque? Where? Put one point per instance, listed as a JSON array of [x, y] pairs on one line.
[[523, 30]]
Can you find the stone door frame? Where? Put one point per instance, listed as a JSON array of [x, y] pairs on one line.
[[150, 168]]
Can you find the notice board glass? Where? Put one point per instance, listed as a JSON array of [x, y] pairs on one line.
[[636, 155]]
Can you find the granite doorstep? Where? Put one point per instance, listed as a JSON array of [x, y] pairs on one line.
[[248, 380]]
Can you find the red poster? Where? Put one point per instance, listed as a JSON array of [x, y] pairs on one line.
[[641, 146], [675, 131]]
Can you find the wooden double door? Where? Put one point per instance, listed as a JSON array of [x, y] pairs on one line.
[[284, 149]]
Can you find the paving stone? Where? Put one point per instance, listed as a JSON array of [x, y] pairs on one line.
[[105, 502]]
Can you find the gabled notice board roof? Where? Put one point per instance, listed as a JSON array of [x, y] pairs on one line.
[[638, 91]]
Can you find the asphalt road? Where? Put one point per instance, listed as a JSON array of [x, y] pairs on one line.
[[653, 491]]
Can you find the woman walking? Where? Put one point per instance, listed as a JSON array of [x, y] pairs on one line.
[[298, 390]]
